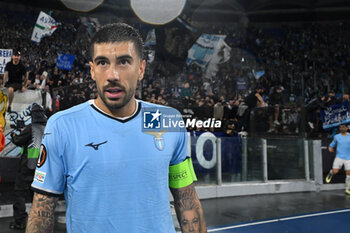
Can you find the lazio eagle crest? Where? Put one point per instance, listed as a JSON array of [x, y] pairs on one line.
[[158, 140]]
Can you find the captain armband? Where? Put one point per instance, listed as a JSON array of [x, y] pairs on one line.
[[182, 174]]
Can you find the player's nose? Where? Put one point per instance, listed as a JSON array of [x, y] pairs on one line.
[[113, 74]]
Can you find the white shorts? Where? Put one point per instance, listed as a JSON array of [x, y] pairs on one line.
[[338, 163]]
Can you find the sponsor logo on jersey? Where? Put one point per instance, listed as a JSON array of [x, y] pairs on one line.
[[45, 134], [42, 156], [96, 146], [39, 176]]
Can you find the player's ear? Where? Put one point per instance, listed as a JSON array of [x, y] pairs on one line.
[[92, 70], [141, 70]]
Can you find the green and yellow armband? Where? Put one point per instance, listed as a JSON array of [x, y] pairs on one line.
[[182, 174]]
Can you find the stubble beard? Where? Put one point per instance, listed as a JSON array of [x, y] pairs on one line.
[[116, 106]]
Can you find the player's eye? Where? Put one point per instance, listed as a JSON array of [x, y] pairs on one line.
[[101, 63], [124, 62]]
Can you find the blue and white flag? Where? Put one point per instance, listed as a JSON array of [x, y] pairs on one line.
[[186, 25], [64, 61], [221, 55], [335, 115], [91, 24], [150, 42], [45, 26], [151, 38], [258, 74], [5, 57], [203, 49]]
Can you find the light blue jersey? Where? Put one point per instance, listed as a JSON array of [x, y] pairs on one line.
[[343, 145], [113, 175]]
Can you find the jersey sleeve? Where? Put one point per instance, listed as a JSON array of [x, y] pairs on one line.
[[49, 177], [333, 143], [180, 152]]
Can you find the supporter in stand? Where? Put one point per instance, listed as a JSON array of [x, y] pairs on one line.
[[218, 111], [275, 101], [330, 100], [253, 100], [230, 109], [287, 54], [15, 77]]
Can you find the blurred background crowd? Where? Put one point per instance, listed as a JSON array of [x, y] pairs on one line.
[[298, 70]]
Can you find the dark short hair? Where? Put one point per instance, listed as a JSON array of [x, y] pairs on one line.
[[259, 87], [16, 52], [117, 32]]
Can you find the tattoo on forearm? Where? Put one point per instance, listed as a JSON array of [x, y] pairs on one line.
[[189, 210], [41, 216], [44, 214]]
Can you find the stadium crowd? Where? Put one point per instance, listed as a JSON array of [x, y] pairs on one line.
[[305, 70]]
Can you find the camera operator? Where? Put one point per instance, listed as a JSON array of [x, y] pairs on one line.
[[30, 140]]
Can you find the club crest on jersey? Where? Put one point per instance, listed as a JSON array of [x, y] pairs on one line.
[[158, 140], [159, 143]]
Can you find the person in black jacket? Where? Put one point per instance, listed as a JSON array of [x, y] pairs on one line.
[[254, 99], [28, 139], [328, 100]]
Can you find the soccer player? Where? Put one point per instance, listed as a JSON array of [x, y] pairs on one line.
[[115, 177], [342, 142]]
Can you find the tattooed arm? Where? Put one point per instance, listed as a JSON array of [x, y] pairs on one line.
[[41, 216], [189, 210]]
